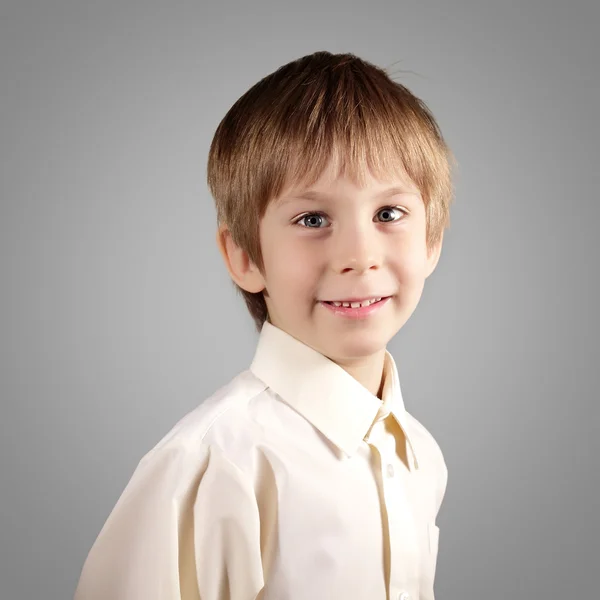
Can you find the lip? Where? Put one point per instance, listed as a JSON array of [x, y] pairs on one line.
[[356, 313]]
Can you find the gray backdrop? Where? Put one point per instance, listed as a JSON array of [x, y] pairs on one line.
[[117, 316]]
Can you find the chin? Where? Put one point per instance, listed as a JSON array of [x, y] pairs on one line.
[[355, 349]]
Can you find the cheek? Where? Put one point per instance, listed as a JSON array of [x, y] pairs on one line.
[[410, 267], [291, 271]]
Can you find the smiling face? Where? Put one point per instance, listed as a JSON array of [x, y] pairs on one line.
[[338, 243]]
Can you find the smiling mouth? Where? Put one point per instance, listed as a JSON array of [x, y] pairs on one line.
[[355, 303]]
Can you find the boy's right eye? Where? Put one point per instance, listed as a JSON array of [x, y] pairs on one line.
[[311, 220]]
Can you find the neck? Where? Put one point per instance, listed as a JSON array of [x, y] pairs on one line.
[[367, 371]]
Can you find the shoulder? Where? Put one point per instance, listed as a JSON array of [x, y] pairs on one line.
[[225, 422], [186, 496]]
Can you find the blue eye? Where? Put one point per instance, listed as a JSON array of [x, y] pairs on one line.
[[312, 220], [389, 214]]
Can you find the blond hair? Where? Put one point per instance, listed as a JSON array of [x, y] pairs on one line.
[[293, 123]]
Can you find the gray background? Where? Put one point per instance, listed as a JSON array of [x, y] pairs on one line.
[[117, 316]]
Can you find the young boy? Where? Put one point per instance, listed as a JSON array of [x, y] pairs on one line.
[[304, 478]]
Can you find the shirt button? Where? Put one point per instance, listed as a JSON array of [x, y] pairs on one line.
[[390, 472], [404, 596]]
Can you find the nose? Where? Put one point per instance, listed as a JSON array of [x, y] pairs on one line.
[[357, 249]]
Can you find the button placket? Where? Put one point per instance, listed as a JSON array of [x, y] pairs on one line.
[[401, 526], [387, 451]]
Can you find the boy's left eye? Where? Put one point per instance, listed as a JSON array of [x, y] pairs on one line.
[[391, 213]]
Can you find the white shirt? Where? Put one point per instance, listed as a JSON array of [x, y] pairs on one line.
[[291, 482]]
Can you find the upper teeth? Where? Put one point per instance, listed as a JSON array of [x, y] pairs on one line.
[[356, 304]]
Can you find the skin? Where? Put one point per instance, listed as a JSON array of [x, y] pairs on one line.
[[351, 249]]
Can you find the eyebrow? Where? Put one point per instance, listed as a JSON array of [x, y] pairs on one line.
[[313, 195]]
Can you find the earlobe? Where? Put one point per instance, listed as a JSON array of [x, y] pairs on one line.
[[241, 269]]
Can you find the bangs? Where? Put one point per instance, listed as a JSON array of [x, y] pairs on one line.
[[349, 152]]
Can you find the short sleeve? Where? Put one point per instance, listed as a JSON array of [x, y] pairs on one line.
[[186, 527]]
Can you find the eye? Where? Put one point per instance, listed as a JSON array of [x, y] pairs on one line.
[[311, 220], [389, 214]]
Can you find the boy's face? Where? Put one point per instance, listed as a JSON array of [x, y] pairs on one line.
[[348, 244]]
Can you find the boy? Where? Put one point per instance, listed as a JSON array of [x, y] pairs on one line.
[[303, 478]]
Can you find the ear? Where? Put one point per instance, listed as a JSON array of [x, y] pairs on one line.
[[241, 269], [433, 256]]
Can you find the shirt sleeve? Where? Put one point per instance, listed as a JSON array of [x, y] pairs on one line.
[[186, 527]]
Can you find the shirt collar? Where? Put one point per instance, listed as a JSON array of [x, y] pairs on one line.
[[341, 408]]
